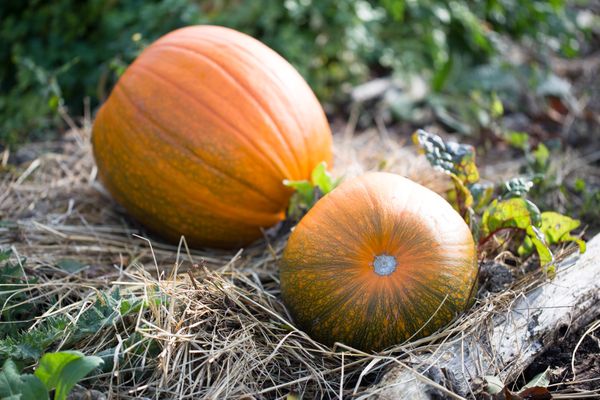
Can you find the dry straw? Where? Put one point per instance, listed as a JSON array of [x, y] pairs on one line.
[[209, 324]]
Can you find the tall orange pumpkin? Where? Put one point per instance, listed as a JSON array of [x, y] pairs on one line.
[[377, 261], [201, 130]]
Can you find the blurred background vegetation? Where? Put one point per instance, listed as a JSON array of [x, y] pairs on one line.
[[56, 55]]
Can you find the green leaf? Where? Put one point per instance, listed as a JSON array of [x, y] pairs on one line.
[[554, 228], [62, 370], [71, 266], [540, 380], [496, 108], [519, 213], [305, 192], [516, 213], [557, 229], [322, 178], [441, 75], [579, 185], [14, 386], [308, 192], [525, 248], [541, 158], [519, 140], [539, 243], [5, 254], [494, 384]]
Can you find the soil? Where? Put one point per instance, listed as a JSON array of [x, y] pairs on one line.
[[557, 360]]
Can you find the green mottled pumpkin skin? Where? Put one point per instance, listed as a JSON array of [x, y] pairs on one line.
[[329, 281]]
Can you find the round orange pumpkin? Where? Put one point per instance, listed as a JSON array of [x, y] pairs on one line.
[[378, 261], [201, 130]]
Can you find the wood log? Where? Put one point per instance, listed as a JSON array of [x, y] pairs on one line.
[[509, 340]]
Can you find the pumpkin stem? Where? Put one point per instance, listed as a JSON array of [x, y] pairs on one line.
[[384, 265]]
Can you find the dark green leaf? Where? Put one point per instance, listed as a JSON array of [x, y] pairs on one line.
[[14, 386], [71, 266], [5, 254]]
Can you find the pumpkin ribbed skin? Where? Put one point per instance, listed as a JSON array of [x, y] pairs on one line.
[[201, 130], [376, 259]]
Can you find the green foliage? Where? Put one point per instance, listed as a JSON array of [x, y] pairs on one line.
[[491, 209], [15, 304], [555, 228], [56, 371], [15, 386], [512, 213], [458, 161], [308, 192], [31, 344], [26, 345], [20, 342], [59, 52], [71, 266], [545, 181], [61, 371]]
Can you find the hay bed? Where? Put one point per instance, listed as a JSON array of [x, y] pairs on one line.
[[212, 324]]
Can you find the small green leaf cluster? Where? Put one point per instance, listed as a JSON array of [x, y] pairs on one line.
[[550, 182], [23, 344], [56, 371], [307, 192], [15, 304], [107, 309], [490, 209]]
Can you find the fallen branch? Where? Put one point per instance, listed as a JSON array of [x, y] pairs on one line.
[[507, 342]]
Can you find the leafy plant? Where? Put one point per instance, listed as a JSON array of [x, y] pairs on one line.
[[15, 304], [31, 344], [56, 371], [61, 371], [491, 209], [62, 51], [307, 193], [15, 386], [545, 181]]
